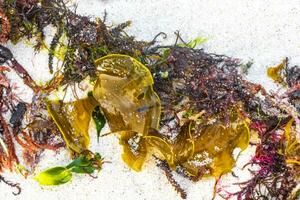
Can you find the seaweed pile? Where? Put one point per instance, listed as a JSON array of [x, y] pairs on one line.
[[186, 108], [82, 40], [28, 125]]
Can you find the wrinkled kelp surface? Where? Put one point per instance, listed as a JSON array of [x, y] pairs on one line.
[[187, 108]]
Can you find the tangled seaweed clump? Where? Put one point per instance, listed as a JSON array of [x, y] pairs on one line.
[[187, 108], [78, 40]]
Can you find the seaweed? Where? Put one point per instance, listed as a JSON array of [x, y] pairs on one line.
[[11, 184], [168, 172], [33, 135], [86, 163], [5, 27], [188, 108], [85, 41], [274, 179]]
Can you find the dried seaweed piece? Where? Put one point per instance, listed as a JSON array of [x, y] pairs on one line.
[[214, 147], [125, 94]]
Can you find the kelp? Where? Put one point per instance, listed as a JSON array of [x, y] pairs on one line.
[[135, 149], [208, 154], [200, 115], [124, 93], [276, 72], [214, 148], [174, 152], [73, 120], [188, 108]]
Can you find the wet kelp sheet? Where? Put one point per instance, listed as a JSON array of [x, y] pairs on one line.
[[185, 108]]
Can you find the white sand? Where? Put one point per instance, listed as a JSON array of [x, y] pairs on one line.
[[262, 31]]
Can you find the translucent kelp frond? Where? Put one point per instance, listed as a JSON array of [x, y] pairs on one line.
[[214, 147], [125, 94], [73, 121], [177, 151], [134, 149], [276, 72]]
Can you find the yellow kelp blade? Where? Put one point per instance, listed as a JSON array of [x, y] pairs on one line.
[[125, 94], [134, 149], [275, 72], [174, 152], [157, 142], [73, 121], [292, 147], [214, 148], [209, 153]]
